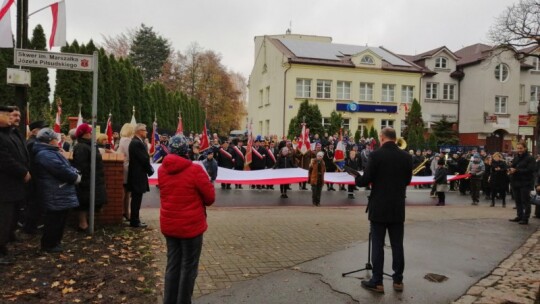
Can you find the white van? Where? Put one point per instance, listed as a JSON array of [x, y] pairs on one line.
[[238, 133]]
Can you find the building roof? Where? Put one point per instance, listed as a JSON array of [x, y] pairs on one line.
[[473, 53], [321, 53]]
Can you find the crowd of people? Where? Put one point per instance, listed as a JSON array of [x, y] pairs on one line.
[[42, 185]]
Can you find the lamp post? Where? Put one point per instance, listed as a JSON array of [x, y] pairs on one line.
[[21, 92]]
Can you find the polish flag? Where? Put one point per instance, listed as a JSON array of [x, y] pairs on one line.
[[180, 128], [80, 119], [205, 141], [109, 132], [6, 35], [154, 140], [58, 33], [57, 121], [339, 153], [303, 144]]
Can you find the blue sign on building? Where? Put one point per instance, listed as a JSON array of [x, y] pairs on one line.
[[354, 107]]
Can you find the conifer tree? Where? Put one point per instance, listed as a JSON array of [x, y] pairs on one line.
[[38, 93], [312, 117], [414, 133]]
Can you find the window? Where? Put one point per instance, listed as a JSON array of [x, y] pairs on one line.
[[501, 72], [326, 122], [260, 98], [407, 93], [361, 126], [303, 88], [267, 130], [521, 93], [323, 88], [536, 64], [535, 93], [267, 95], [448, 91], [260, 127], [346, 123], [367, 60], [441, 63], [387, 123], [366, 91], [388, 92], [431, 90], [500, 104], [344, 90]]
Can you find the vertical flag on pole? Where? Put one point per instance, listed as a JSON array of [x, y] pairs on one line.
[[80, 119], [27, 119], [205, 141], [180, 128], [109, 132], [58, 32], [339, 154], [133, 121], [57, 121], [249, 148], [304, 144], [154, 135]]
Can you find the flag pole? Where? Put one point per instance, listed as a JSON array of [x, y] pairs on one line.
[[39, 10]]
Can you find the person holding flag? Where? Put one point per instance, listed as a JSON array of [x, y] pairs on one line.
[[238, 153], [258, 161], [339, 156], [303, 153]]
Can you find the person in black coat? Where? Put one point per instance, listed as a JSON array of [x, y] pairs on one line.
[[284, 161], [14, 176], [498, 179], [82, 156], [225, 159], [522, 182], [352, 161], [138, 171], [329, 164], [258, 158], [389, 171], [239, 156]]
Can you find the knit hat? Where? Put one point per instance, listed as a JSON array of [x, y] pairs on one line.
[[320, 154], [83, 129], [46, 135], [178, 145]]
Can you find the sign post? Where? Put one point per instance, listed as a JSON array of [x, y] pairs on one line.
[[72, 62]]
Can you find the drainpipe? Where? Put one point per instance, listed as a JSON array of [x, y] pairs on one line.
[[285, 96]]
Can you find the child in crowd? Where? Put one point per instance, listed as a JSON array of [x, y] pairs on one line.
[[210, 164], [441, 182]]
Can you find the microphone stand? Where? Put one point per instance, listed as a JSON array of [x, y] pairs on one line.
[[368, 264]]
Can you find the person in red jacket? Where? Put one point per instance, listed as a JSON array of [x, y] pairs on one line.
[[185, 191]]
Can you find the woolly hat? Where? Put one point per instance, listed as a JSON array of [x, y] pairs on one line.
[[83, 129], [178, 145], [46, 135], [321, 154]]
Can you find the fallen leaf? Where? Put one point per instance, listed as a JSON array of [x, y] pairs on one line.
[[140, 279], [70, 282], [77, 300], [80, 261], [55, 284], [67, 290], [105, 256]]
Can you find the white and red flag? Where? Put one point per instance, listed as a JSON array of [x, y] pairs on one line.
[[58, 121], [303, 144], [6, 35], [109, 132], [249, 149], [79, 119], [58, 32], [155, 138], [180, 128], [339, 153], [205, 141]]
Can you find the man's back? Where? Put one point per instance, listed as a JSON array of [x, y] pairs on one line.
[[389, 170]]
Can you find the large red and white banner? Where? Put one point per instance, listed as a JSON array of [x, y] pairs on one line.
[[289, 176]]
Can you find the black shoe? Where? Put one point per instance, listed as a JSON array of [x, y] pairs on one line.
[[5, 261], [126, 218], [55, 249], [398, 286], [138, 225], [524, 222], [379, 288], [240, 187], [440, 204], [351, 196], [515, 220]]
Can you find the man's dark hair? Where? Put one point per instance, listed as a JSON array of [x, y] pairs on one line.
[[389, 133], [15, 108]]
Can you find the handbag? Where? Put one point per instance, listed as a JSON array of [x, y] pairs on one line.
[[535, 200], [442, 187]]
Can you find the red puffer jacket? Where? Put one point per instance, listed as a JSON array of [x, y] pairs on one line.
[[185, 190]]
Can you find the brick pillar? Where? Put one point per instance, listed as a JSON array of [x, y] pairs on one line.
[[113, 165]]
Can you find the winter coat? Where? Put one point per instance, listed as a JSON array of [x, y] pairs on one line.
[[258, 163], [284, 162], [525, 166], [82, 153], [498, 179], [185, 191], [239, 157], [303, 160], [225, 158], [389, 172], [440, 176], [329, 161], [211, 168], [476, 168], [316, 172], [139, 166], [123, 147], [14, 165], [55, 178]]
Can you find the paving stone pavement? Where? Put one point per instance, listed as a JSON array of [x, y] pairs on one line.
[[244, 243], [515, 281]]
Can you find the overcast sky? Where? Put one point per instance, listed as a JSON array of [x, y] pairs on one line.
[[229, 26]]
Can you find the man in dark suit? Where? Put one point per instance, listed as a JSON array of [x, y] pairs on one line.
[[239, 154], [138, 171], [14, 176], [389, 171]]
